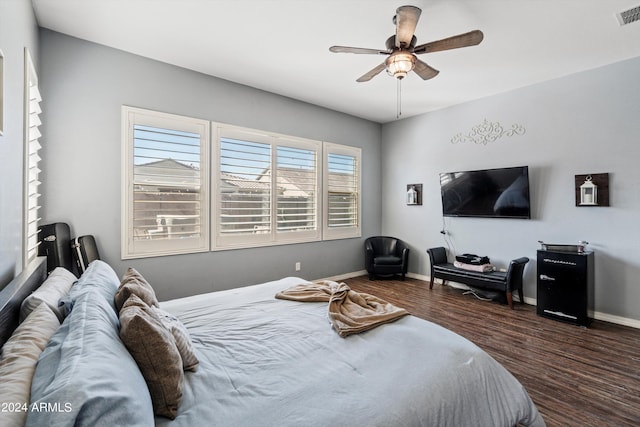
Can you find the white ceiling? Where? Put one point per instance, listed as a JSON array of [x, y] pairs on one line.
[[282, 46]]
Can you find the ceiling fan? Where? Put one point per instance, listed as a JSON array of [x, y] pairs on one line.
[[402, 49]]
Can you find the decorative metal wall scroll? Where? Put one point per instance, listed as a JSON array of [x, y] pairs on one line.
[[487, 132]]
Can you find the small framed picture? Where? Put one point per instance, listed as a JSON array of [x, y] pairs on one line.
[[414, 194]]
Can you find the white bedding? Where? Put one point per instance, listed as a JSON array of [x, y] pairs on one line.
[[270, 362]]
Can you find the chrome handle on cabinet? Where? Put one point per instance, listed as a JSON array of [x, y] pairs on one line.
[[545, 277]]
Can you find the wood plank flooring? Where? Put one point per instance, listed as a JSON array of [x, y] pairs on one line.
[[576, 376]]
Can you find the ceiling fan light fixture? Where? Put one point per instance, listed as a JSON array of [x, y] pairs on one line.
[[400, 63]]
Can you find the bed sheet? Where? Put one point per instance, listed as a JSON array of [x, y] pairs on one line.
[[270, 362]]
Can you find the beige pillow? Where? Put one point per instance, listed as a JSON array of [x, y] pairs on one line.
[[55, 287], [156, 354], [134, 284], [18, 362], [181, 337]]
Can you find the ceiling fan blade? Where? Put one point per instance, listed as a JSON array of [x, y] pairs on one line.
[[425, 71], [360, 50], [406, 20], [471, 38], [371, 74]]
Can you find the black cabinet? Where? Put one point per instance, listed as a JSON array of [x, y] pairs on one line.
[[565, 286]]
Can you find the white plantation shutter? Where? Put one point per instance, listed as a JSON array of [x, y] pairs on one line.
[[32, 158], [167, 201], [297, 182], [256, 206], [244, 198], [342, 189]]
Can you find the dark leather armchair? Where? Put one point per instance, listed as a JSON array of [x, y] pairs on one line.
[[385, 256]]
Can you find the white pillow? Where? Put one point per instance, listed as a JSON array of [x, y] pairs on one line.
[[18, 361], [55, 287]]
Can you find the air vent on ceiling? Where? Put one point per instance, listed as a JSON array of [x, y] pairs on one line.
[[629, 16]]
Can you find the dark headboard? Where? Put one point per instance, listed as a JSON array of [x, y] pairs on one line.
[[15, 292]]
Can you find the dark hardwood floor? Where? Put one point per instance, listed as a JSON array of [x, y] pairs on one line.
[[576, 376]]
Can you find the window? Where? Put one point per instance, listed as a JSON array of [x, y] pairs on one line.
[[297, 182], [32, 172], [266, 188], [165, 184], [342, 192]]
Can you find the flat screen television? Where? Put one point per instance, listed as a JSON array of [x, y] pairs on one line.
[[487, 193]]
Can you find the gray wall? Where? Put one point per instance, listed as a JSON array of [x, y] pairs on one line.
[[579, 124], [84, 86], [18, 30]]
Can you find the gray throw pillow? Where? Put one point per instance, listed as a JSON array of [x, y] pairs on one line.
[[181, 337], [133, 283], [154, 350]]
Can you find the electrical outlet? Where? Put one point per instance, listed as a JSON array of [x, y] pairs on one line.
[[298, 266]]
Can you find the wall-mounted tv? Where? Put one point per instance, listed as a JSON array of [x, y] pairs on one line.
[[487, 193]]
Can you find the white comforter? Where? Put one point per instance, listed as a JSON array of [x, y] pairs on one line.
[[270, 362]]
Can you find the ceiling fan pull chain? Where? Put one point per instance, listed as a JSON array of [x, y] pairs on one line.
[[399, 99]]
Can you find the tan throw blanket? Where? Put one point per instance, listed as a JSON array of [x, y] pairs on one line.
[[350, 312]]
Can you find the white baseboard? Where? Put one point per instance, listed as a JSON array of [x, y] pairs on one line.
[[619, 320], [418, 276], [625, 321], [346, 276]]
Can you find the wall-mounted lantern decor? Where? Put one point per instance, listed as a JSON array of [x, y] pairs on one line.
[[592, 189], [414, 194], [588, 192]]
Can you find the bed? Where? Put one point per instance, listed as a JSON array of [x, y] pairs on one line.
[[269, 362]]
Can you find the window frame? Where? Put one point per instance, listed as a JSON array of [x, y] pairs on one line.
[[315, 227], [138, 248], [220, 241], [330, 233]]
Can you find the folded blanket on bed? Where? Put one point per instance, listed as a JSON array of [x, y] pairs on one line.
[[350, 312]]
